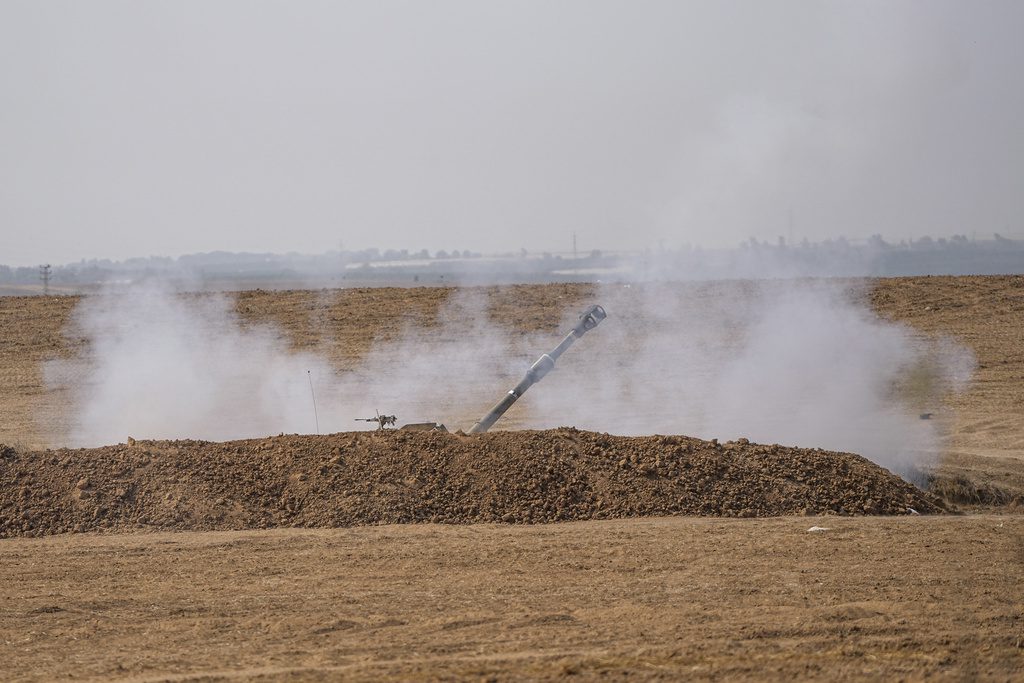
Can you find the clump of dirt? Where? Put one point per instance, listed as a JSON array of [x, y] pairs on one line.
[[397, 477]]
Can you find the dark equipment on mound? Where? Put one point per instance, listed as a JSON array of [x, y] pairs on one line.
[[381, 420], [589, 319], [424, 427]]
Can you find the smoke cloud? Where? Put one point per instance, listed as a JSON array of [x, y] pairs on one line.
[[166, 365], [802, 363], [161, 363]]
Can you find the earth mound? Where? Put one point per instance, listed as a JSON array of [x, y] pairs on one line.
[[396, 477]]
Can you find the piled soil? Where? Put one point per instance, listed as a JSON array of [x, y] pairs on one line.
[[395, 477]]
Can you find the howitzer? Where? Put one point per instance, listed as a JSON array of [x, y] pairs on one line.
[[589, 319]]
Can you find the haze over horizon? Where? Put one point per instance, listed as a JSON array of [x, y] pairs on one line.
[[137, 129]]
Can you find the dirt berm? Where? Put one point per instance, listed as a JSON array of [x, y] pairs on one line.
[[360, 478]]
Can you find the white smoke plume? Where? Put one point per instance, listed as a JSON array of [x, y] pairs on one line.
[[165, 364], [161, 364], [802, 363]]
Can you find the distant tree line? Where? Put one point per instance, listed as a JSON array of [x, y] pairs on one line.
[[753, 258]]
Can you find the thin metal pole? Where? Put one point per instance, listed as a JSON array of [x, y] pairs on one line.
[[313, 394]]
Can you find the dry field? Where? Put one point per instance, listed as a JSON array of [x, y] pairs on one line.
[[674, 598], [871, 597]]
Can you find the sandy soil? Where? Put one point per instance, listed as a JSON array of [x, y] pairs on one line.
[[888, 598], [652, 599], [987, 314]]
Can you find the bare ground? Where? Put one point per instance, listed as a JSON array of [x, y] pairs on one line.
[[890, 598], [648, 599]]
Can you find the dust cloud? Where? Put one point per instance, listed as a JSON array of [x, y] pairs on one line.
[[162, 364], [800, 363], [791, 362]]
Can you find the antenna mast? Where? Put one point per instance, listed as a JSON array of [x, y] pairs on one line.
[[44, 275]]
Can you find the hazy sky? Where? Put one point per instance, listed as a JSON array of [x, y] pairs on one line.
[[140, 128]]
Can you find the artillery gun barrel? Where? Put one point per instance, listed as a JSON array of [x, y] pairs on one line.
[[589, 319]]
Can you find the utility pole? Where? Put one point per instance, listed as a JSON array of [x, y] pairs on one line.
[[575, 263], [44, 275]]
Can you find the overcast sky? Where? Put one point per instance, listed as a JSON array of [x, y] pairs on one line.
[[163, 128]]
